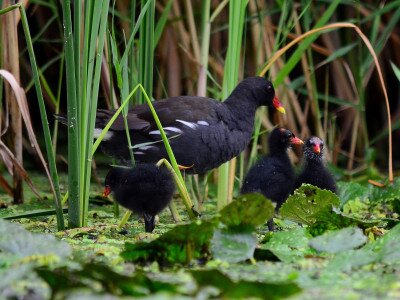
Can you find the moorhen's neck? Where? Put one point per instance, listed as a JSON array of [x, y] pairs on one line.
[[277, 147], [242, 102], [314, 161], [281, 153]]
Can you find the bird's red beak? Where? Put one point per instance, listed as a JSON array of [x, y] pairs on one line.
[[278, 105], [107, 191], [317, 149], [296, 141]]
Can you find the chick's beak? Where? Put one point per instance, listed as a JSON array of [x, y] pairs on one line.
[[317, 149], [106, 191], [296, 141], [278, 105]]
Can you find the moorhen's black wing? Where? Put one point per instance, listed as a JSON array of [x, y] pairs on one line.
[[203, 132], [192, 124]]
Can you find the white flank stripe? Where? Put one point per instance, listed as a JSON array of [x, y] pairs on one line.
[[174, 129], [155, 132], [188, 124], [203, 123], [97, 132], [144, 148], [138, 152]]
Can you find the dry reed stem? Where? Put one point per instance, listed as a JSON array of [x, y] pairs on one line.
[[281, 51], [10, 55]]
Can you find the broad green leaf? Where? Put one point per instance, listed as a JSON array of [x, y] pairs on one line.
[[60, 279], [388, 246], [306, 203], [290, 245], [335, 219], [16, 240], [339, 240], [233, 247], [384, 250], [241, 289], [179, 245], [139, 284], [347, 261], [388, 193], [248, 211], [351, 191]]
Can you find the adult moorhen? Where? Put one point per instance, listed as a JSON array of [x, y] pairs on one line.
[[145, 189], [273, 175], [203, 132], [314, 171]]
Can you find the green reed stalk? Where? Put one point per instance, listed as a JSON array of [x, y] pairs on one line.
[[83, 80], [205, 45], [237, 10], [146, 49], [73, 138], [97, 43], [43, 116]]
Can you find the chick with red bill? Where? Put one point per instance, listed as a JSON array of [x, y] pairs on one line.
[[273, 175], [145, 189], [314, 170]]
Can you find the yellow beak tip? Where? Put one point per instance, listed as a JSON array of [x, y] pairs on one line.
[[281, 109]]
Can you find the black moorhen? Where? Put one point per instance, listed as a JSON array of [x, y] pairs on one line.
[[203, 132], [314, 171], [145, 190], [273, 175]]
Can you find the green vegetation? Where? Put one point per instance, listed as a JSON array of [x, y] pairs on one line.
[[335, 68]]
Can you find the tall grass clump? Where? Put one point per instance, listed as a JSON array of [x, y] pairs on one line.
[[237, 11], [83, 65], [52, 171]]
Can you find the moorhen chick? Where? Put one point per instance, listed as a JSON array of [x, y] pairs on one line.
[[145, 189], [273, 175], [203, 132], [314, 170]]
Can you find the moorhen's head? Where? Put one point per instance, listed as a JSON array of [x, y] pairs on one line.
[[262, 91], [313, 149], [113, 179], [281, 139]]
